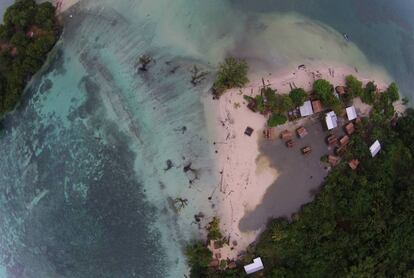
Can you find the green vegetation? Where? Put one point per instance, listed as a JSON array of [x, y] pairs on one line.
[[369, 92], [214, 230], [393, 92], [276, 119], [298, 96], [198, 258], [231, 74], [324, 92], [269, 102], [28, 33], [354, 86]]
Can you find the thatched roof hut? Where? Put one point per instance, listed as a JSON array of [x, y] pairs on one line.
[[332, 140], [290, 144], [317, 106], [286, 135], [349, 128], [344, 140], [333, 160], [269, 134], [302, 132], [353, 164], [306, 150]]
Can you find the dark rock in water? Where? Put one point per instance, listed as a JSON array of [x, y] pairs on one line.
[[187, 168], [162, 185], [199, 216], [170, 164]]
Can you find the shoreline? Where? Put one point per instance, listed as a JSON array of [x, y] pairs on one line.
[[63, 5], [245, 174]]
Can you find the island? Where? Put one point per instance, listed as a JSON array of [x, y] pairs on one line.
[[359, 221], [29, 31]]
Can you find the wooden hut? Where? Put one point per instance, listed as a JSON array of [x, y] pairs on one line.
[[286, 135], [248, 131], [269, 134], [302, 132], [349, 128], [214, 263], [353, 164], [306, 150], [290, 143], [344, 140], [341, 150], [333, 160], [317, 106], [332, 140], [232, 265]]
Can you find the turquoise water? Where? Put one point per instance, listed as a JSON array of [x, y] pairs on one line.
[[84, 190]]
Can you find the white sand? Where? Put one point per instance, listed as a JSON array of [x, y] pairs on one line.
[[246, 174], [63, 5]]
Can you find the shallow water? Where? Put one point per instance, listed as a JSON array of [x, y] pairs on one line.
[[84, 190]]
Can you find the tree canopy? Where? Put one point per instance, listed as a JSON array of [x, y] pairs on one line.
[[393, 92], [276, 119], [298, 96], [232, 73], [354, 85], [323, 90], [28, 33]]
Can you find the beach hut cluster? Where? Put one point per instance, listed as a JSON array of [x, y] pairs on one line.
[[340, 130]]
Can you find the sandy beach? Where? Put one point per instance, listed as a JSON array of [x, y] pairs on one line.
[[245, 175]]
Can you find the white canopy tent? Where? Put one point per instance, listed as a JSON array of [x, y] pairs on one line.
[[257, 265], [375, 148], [331, 120], [306, 109], [351, 113]]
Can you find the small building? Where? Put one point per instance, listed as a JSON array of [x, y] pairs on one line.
[[248, 131], [269, 134], [333, 160], [341, 150], [344, 140], [341, 90], [332, 140], [232, 265], [331, 120], [302, 132], [306, 150], [286, 135], [317, 106], [375, 148], [306, 109], [349, 128], [256, 266], [214, 263], [290, 144], [351, 113], [353, 164]]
